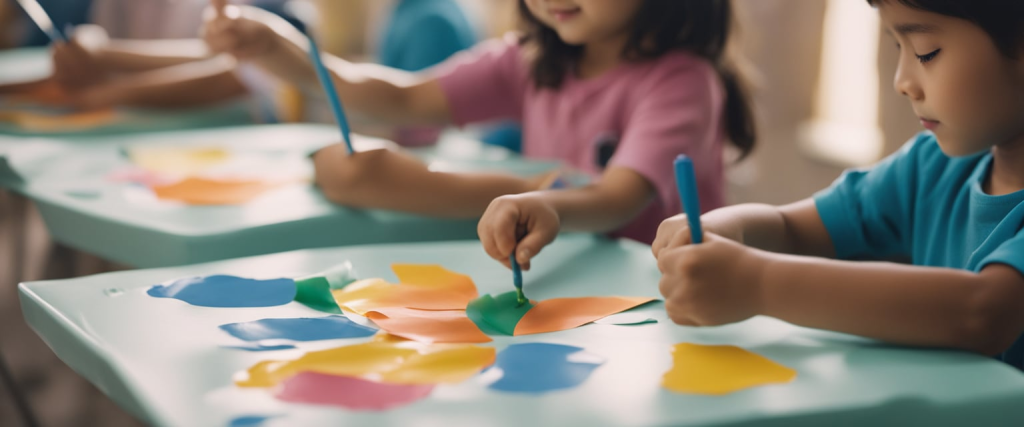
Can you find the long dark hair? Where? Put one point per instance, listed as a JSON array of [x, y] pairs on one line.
[[1003, 20], [701, 27]]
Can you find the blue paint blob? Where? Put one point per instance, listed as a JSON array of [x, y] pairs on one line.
[[299, 329], [228, 291], [250, 420], [259, 347], [540, 367]]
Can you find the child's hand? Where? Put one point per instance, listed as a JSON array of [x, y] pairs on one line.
[[74, 67], [509, 218], [237, 31], [675, 232], [75, 63], [712, 283], [366, 178]]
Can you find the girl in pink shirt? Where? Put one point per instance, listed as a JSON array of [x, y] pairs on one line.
[[614, 89]]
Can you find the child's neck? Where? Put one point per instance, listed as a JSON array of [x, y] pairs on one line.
[[1007, 173], [601, 56]]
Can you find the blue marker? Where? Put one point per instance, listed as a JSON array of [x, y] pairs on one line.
[[332, 94], [517, 279], [38, 15], [686, 182]]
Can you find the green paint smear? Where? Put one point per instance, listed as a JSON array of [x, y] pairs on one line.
[[315, 291], [497, 315]]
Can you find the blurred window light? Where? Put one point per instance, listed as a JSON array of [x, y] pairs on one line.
[[845, 129]]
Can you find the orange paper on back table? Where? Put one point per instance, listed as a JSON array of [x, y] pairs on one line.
[[60, 122], [203, 191]]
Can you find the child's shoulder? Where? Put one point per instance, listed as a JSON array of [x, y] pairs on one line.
[[509, 47], [501, 52], [684, 60], [679, 64], [675, 69], [510, 41]]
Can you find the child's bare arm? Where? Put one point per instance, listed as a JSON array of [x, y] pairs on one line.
[[721, 281], [187, 85], [795, 228], [128, 56], [394, 180], [602, 207], [904, 304], [91, 58], [383, 93]]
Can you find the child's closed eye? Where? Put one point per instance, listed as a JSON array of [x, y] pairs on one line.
[[923, 58], [928, 56]]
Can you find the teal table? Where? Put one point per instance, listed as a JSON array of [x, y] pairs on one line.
[[161, 359], [31, 64], [84, 209], [24, 65]]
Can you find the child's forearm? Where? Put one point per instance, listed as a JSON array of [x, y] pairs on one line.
[[186, 85], [385, 94], [902, 304], [603, 207], [469, 194], [132, 56], [437, 194], [381, 179], [791, 229]]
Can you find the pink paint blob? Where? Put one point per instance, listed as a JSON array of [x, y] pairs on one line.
[[140, 176], [349, 392]]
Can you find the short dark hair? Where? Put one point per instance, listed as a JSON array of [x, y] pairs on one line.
[[1003, 20], [701, 27]]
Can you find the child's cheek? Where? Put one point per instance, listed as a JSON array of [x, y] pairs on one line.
[[963, 101], [982, 95]]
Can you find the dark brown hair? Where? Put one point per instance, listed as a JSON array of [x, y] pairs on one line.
[[1003, 20], [701, 27]]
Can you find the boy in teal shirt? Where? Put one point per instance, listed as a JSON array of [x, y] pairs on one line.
[[950, 202]]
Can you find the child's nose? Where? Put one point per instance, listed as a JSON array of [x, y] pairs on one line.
[[906, 85]]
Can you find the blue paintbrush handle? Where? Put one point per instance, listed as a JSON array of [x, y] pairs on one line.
[[38, 15], [332, 93], [517, 278], [686, 181], [517, 272]]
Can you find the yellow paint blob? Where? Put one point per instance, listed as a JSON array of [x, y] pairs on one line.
[[721, 369], [392, 362], [177, 160]]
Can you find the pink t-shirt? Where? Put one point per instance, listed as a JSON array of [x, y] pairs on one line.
[[655, 110]]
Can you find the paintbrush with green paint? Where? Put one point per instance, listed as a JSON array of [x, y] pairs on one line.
[[517, 280]]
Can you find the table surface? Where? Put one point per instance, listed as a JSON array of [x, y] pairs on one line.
[[161, 359], [24, 65], [31, 64], [69, 182]]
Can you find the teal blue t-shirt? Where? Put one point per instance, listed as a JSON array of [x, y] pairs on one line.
[[422, 33], [922, 205]]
